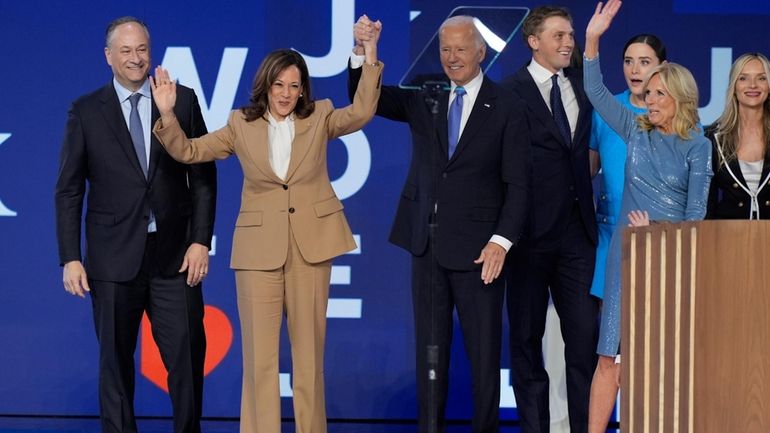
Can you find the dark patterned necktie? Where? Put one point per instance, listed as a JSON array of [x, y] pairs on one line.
[[557, 110]]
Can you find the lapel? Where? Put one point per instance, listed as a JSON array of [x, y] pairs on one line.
[[481, 111], [441, 124], [765, 171], [575, 77], [531, 93], [735, 166], [257, 143], [155, 146], [113, 116], [302, 142]]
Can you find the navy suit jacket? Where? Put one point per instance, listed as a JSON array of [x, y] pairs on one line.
[[561, 172], [480, 191], [98, 151]]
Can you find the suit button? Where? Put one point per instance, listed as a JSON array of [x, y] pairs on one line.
[[740, 204], [443, 175], [604, 220], [572, 187], [603, 197], [735, 185], [285, 187], [291, 210]]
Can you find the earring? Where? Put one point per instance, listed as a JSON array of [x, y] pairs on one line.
[[301, 95]]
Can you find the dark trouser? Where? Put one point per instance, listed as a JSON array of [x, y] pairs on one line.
[[436, 291], [567, 271], [176, 313]]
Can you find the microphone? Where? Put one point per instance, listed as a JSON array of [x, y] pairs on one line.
[[432, 91]]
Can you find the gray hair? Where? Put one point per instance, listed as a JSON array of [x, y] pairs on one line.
[[467, 20], [120, 21]]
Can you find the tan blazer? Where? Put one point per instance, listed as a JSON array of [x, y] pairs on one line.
[[271, 209]]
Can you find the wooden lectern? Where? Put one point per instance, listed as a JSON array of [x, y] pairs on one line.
[[695, 338]]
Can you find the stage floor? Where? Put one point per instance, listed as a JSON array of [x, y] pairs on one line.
[[90, 425]]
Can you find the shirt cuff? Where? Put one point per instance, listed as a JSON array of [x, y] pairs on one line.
[[503, 242], [357, 61]]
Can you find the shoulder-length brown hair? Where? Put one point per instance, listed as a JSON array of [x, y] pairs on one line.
[[272, 65], [682, 87]]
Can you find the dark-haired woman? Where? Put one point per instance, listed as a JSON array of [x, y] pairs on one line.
[[740, 139], [641, 54], [290, 224]]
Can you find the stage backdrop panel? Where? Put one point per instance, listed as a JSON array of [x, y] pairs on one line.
[[52, 52]]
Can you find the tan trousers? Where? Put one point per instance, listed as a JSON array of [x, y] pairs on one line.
[[301, 289]]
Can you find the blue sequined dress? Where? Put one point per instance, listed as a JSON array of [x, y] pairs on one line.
[[665, 175]]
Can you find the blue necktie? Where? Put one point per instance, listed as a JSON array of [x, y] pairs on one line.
[[557, 109], [455, 117], [137, 136], [137, 132]]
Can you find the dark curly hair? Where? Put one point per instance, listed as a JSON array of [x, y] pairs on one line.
[[272, 65]]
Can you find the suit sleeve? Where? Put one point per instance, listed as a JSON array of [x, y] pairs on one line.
[[215, 145], [202, 179], [70, 188], [516, 172], [393, 103], [353, 117]]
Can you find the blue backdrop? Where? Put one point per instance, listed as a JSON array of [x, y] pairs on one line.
[[52, 52]]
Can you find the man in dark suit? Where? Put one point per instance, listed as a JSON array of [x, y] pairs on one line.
[[149, 222], [558, 247], [462, 207]]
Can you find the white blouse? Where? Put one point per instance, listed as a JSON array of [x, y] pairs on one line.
[[280, 135]]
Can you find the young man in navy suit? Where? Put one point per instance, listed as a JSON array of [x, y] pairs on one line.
[[557, 251]]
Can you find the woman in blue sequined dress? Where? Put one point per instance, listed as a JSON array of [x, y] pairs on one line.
[[641, 54], [667, 175]]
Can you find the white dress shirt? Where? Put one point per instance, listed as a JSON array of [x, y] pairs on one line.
[[542, 77], [472, 89], [471, 92], [280, 135]]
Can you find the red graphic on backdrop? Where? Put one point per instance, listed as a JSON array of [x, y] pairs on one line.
[[219, 337]]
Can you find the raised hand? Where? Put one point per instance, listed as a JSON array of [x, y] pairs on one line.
[[602, 18], [366, 34], [163, 92], [359, 32], [599, 24]]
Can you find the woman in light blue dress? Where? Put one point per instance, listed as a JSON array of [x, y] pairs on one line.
[[641, 54], [667, 175]]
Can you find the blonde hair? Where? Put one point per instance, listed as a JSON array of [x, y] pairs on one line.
[[680, 84], [728, 124]]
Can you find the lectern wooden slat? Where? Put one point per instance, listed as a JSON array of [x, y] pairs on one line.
[[696, 328]]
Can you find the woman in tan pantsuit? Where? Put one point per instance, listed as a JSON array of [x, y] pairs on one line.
[[290, 224]]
